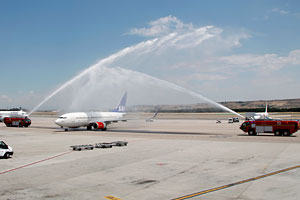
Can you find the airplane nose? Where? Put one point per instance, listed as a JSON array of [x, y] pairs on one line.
[[58, 122]]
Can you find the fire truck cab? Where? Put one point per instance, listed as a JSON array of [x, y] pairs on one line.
[[278, 127]]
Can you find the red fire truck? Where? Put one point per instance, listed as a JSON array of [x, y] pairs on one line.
[[278, 127], [17, 121]]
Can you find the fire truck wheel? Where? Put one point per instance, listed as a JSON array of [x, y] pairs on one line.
[[286, 133], [277, 133], [251, 132]]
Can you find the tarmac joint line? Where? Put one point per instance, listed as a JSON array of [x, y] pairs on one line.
[[235, 183]]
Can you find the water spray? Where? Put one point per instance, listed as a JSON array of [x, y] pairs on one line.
[[142, 48], [173, 86]]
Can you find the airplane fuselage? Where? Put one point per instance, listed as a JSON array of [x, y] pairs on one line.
[[78, 119], [256, 116]]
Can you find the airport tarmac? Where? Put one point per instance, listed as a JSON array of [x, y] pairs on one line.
[[176, 155]]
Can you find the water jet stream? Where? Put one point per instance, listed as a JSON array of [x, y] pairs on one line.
[[151, 46]]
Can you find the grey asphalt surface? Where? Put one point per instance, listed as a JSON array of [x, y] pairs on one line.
[[164, 159]]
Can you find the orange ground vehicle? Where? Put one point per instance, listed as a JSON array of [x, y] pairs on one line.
[[17, 121], [278, 127]]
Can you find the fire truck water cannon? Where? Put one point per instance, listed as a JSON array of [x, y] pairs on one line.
[[277, 127]]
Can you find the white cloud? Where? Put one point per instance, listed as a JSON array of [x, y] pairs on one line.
[[266, 62], [276, 11], [162, 26], [280, 11]]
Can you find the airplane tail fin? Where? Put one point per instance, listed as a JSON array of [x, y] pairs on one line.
[[122, 105]]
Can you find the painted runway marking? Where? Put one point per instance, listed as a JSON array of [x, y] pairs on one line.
[[112, 198], [36, 162], [235, 183]]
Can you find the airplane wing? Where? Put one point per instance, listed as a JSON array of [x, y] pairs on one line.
[[115, 121], [109, 121], [280, 116]]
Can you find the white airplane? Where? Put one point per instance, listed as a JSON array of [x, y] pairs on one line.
[[261, 115], [96, 120], [18, 113]]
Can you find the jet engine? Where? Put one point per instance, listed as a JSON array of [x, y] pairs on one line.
[[100, 125]]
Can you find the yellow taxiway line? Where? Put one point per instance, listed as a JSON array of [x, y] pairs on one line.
[[235, 183]]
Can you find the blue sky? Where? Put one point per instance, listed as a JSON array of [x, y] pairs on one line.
[[45, 43]]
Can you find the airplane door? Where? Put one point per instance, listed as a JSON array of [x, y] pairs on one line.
[[73, 119]]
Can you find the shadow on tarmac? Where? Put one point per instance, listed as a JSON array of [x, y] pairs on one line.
[[44, 127], [162, 132], [265, 135]]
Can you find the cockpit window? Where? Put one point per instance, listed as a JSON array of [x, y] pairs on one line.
[[245, 124], [62, 117]]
